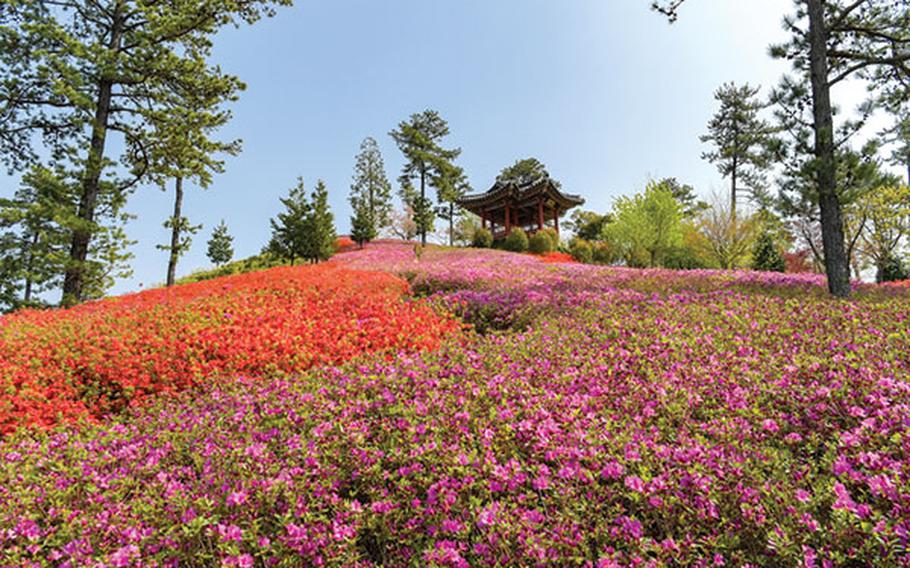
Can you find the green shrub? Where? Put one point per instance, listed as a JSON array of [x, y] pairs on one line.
[[765, 255], [554, 236], [581, 251], [482, 239], [893, 270], [603, 253], [540, 243], [517, 241]]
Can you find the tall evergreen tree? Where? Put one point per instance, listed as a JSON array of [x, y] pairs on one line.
[[31, 244], [289, 228], [319, 226], [522, 171], [741, 140], [181, 149], [833, 41], [451, 184], [37, 224], [899, 137], [75, 73], [220, 248], [371, 192], [419, 139], [363, 226]]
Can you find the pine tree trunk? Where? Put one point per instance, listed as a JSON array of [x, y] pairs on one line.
[[733, 190], [29, 264], [74, 279], [423, 199], [451, 224], [175, 231], [837, 266]]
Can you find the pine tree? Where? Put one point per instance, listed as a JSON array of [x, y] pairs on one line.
[[451, 184], [419, 139], [741, 140], [289, 228], [363, 227], [83, 75], [832, 41], [181, 149], [765, 255], [37, 224], [685, 195], [220, 246], [371, 192], [320, 226], [31, 244]]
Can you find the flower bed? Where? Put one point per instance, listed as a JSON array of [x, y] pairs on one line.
[[640, 418], [101, 357]]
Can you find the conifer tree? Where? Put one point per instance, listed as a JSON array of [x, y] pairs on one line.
[[741, 140], [220, 246], [181, 149], [765, 255], [419, 139], [363, 227], [371, 192], [320, 226], [831, 42], [289, 228], [81, 76]]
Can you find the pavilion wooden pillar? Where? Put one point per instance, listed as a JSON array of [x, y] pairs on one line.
[[556, 219], [508, 219], [540, 215], [483, 220]]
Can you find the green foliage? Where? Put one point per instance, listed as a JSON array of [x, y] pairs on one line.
[[524, 171], [766, 256], [551, 233], [540, 243], [581, 250], [483, 238], [35, 229], [893, 269], [371, 193], [689, 203], [252, 264], [645, 226], [220, 246], [426, 161], [363, 227], [516, 241], [320, 226], [289, 238], [741, 140], [603, 253], [94, 74], [588, 225]]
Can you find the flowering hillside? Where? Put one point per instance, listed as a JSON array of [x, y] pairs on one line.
[[97, 358], [605, 417]]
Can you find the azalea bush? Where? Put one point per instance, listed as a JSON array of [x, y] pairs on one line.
[[101, 357], [631, 418]]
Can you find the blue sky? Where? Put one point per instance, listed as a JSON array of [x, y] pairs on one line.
[[604, 92]]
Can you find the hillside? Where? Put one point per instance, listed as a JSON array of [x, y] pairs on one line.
[[592, 416]]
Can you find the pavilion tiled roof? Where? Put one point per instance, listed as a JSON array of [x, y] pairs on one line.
[[519, 191]]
